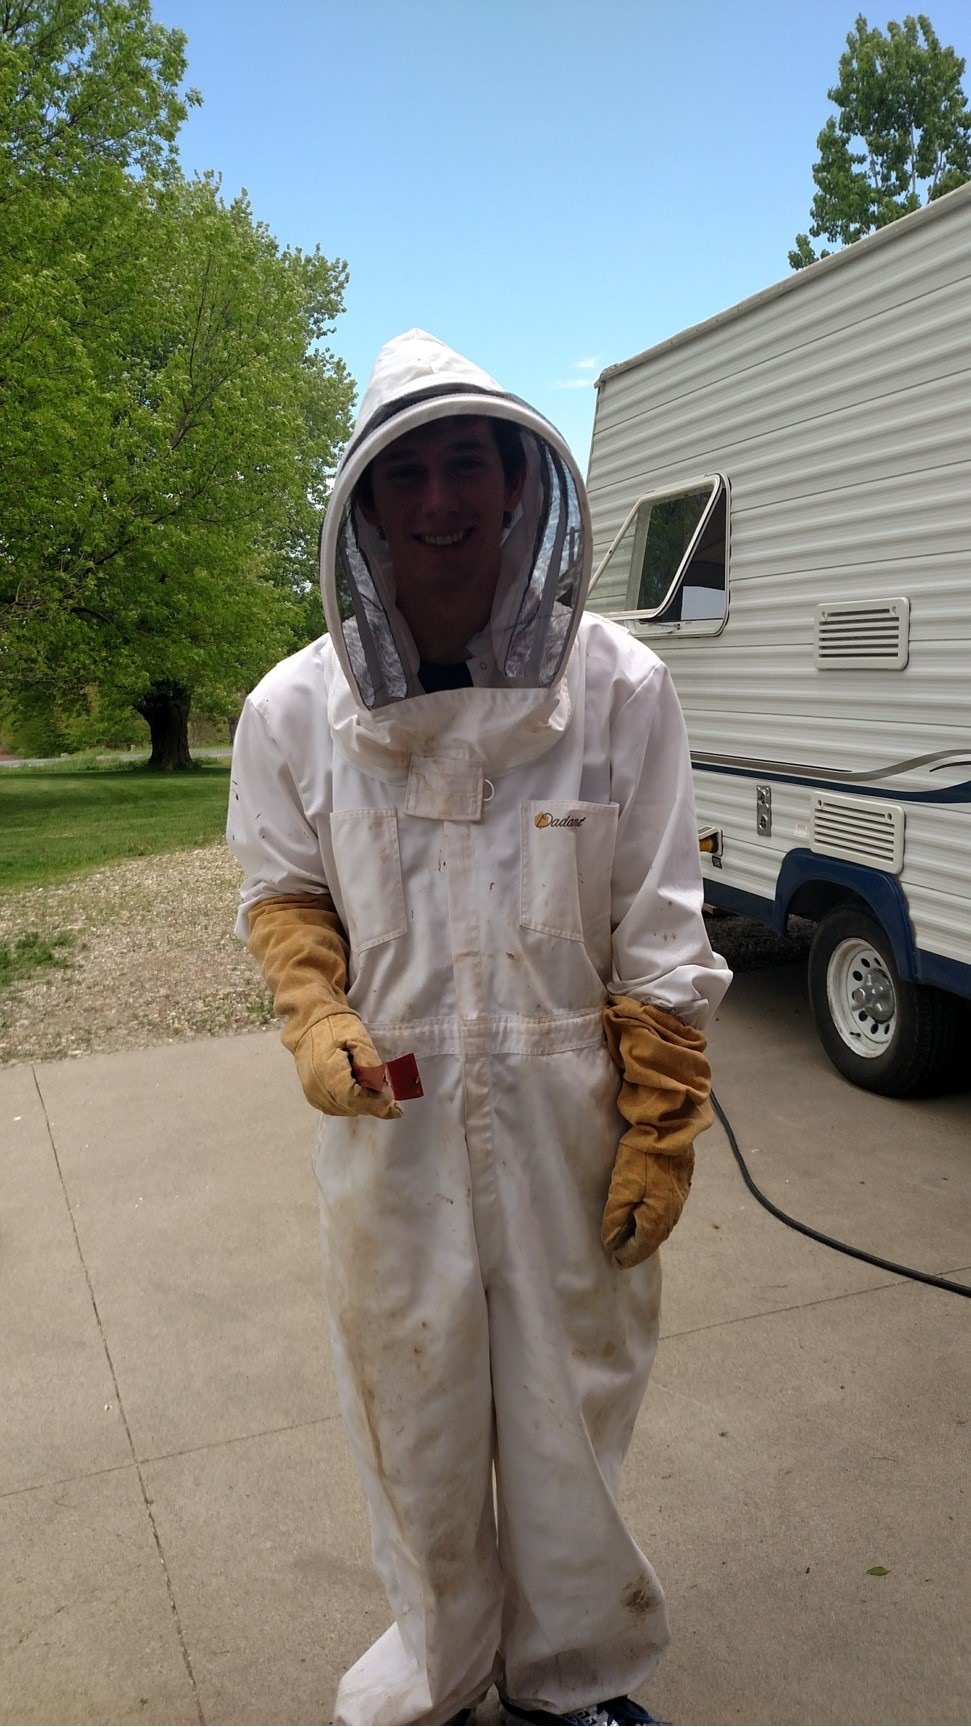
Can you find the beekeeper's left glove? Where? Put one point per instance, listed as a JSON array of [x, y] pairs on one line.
[[664, 1096]]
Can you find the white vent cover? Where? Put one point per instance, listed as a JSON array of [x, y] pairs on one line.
[[856, 634], [861, 830]]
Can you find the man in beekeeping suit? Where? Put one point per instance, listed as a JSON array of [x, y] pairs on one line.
[[466, 822]]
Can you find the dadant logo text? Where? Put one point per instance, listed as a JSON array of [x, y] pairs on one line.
[[546, 820]]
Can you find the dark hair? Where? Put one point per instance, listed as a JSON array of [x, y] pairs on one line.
[[509, 443], [506, 436]]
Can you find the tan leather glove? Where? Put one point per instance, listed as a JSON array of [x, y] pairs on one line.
[[664, 1096], [301, 950]]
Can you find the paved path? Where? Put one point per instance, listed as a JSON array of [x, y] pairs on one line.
[[182, 1536]]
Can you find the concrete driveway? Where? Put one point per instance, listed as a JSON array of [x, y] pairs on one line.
[[182, 1535]]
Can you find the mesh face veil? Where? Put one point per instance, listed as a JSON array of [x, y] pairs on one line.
[[544, 561]]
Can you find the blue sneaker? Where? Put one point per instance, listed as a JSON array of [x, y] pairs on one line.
[[616, 1712]]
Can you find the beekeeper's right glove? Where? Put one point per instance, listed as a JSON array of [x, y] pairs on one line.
[[301, 949]]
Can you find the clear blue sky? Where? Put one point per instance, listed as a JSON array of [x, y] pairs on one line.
[[548, 185]]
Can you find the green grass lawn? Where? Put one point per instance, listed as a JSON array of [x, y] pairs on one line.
[[57, 823]]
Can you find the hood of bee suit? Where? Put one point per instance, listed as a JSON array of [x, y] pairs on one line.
[[520, 701]]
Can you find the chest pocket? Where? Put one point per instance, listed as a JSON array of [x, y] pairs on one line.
[[365, 846], [567, 859]]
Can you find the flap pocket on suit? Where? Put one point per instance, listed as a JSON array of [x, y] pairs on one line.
[[369, 869], [567, 862]]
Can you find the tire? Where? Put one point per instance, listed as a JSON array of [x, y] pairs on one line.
[[882, 1033]]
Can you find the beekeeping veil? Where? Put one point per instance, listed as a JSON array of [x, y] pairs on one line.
[[545, 557]]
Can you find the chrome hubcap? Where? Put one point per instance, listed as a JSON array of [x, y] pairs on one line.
[[862, 999]]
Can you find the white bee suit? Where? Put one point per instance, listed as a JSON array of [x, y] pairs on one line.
[[501, 856]]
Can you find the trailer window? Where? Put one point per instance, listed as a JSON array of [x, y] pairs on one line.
[[671, 525], [668, 566]]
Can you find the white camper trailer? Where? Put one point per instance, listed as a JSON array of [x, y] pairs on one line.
[[781, 502]]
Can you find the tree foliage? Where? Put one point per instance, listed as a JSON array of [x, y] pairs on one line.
[[168, 410], [901, 137]]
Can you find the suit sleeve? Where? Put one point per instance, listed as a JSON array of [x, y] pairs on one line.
[[267, 828], [661, 952]]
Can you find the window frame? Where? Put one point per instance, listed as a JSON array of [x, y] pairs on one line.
[[649, 620]]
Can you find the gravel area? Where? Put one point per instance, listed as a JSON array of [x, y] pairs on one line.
[[155, 959], [748, 946]]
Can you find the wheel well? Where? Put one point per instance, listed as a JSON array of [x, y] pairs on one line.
[[811, 887], [813, 899]]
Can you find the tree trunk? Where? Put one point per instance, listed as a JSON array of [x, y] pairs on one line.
[[166, 709]]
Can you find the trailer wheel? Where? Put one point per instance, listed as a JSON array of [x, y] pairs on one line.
[[881, 1032]]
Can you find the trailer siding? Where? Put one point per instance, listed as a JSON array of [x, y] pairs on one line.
[[838, 407]]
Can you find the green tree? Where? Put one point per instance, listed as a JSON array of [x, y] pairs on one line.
[[168, 411], [89, 97], [901, 137]]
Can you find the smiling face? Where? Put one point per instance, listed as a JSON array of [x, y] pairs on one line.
[[439, 495]]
